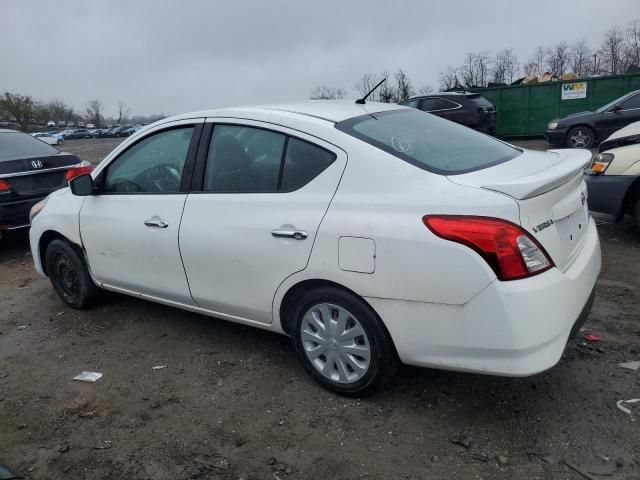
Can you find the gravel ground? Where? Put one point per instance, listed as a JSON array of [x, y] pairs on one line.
[[234, 403]]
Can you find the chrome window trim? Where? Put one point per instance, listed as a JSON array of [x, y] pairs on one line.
[[36, 172], [444, 109]]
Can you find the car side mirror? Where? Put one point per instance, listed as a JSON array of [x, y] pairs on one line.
[[82, 185], [616, 108]]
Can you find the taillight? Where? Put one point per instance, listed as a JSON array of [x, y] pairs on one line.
[[5, 187], [80, 169], [510, 251]]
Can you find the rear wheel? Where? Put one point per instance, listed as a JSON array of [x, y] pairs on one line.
[[69, 275], [636, 214], [580, 137], [341, 342]]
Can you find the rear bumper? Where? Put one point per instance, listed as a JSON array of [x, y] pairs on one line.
[[607, 192], [14, 215], [556, 136], [516, 328]]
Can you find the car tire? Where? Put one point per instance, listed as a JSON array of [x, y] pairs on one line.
[[580, 137], [636, 214], [357, 355], [69, 275]]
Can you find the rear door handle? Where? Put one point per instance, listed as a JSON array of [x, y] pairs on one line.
[[295, 234], [156, 222]]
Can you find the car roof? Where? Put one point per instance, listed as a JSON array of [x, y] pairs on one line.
[[327, 110], [8, 130]]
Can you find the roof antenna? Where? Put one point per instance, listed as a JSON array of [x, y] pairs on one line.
[[361, 101]]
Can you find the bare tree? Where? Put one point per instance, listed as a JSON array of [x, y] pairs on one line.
[[123, 111], [581, 58], [558, 58], [505, 66], [59, 111], [366, 83], [537, 63], [483, 66], [21, 109], [322, 92], [403, 88], [94, 112], [632, 43], [449, 79], [425, 90], [612, 51], [468, 70]]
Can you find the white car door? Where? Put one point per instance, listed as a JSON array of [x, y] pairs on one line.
[[263, 195], [129, 229]]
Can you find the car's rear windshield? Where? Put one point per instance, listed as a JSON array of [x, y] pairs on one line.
[[429, 142], [17, 144]]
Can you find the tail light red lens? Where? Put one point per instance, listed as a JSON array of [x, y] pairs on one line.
[[4, 186], [78, 170], [510, 251]]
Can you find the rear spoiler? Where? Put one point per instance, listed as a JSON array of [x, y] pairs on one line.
[[571, 162]]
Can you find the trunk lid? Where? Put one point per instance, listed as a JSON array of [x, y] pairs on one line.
[[35, 176], [551, 196]]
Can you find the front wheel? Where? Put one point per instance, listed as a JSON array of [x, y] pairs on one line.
[[342, 343], [580, 137], [69, 275]]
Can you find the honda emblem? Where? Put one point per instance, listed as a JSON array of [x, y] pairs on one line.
[[36, 163]]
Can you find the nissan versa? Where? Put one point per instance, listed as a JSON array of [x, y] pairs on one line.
[[369, 233]]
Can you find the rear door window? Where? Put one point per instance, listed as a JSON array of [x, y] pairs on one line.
[[429, 142], [303, 162], [246, 159]]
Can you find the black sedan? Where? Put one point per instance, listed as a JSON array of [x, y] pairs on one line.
[[582, 130], [29, 171]]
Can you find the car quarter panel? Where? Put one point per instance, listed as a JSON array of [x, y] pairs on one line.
[[383, 198]]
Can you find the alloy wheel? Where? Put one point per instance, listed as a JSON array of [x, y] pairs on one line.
[[580, 139]]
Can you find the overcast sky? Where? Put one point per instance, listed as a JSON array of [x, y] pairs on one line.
[[176, 56]]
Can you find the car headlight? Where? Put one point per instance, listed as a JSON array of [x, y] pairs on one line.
[[601, 162], [37, 208], [552, 125]]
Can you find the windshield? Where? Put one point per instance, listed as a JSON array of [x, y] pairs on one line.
[[429, 142], [606, 107], [17, 144]]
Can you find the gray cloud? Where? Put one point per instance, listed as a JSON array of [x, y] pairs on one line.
[[170, 56]]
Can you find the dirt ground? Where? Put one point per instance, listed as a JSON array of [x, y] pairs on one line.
[[234, 403]]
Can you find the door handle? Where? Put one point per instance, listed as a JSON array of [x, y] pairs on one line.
[[295, 234], [156, 223]]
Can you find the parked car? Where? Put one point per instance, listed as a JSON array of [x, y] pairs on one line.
[[469, 109], [90, 126], [29, 171], [81, 125], [79, 133], [130, 131], [62, 124], [71, 124], [583, 130], [47, 138], [51, 124], [433, 244], [614, 175]]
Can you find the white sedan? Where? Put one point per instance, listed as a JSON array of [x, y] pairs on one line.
[[371, 234], [49, 139]]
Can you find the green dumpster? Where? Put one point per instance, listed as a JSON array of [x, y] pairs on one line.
[[525, 110]]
